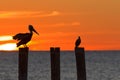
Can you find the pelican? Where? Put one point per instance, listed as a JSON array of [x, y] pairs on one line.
[[78, 41], [24, 38]]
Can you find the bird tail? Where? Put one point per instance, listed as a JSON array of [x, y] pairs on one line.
[[18, 36]]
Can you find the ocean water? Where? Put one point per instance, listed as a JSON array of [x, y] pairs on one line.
[[100, 65]]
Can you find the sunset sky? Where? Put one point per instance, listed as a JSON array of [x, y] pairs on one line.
[[60, 22]]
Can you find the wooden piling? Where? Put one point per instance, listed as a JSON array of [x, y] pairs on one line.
[[80, 63], [23, 63], [55, 63]]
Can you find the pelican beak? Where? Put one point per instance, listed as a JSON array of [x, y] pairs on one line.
[[35, 31]]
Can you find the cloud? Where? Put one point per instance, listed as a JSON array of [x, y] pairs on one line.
[[68, 24], [8, 46], [5, 38], [25, 14], [60, 34], [63, 24]]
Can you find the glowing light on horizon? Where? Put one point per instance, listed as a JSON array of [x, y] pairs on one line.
[[8, 47], [5, 38]]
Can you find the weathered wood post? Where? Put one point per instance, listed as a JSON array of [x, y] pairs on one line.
[[55, 63], [80, 63], [23, 63]]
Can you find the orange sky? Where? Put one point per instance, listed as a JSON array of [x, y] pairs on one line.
[[60, 22]]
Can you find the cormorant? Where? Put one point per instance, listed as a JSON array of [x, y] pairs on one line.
[[24, 38], [78, 41]]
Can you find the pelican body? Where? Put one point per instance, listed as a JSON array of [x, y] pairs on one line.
[[78, 41], [24, 38]]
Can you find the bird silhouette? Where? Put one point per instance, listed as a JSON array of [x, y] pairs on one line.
[[24, 38], [78, 41]]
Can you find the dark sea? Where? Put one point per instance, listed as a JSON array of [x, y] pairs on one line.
[[100, 65]]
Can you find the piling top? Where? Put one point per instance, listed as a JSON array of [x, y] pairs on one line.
[[24, 48], [54, 48], [79, 49]]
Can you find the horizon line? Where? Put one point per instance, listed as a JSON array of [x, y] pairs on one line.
[[49, 50]]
